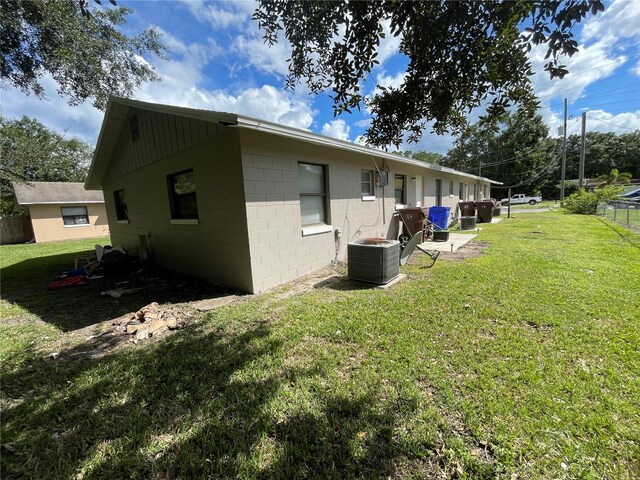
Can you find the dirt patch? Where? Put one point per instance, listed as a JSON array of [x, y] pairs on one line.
[[469, 250], [329, 275], [21, 321], [148, 324]]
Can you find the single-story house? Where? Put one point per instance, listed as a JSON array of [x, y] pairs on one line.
[[62, 210], [249, 203], [591, 184]]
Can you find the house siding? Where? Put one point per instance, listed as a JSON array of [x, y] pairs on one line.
[[217, 248], [48, 225], [160, 136]]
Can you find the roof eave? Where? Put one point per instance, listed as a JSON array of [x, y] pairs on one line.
[[305, 135]]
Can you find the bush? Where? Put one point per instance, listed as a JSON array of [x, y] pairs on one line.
[[586, 203]]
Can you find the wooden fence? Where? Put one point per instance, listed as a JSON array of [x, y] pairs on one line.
[[15, 230]]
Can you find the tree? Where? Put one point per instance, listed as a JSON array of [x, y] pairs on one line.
[[459, 53], [586, 203], [614, 177], [428, 157], [515, 152], [32, 152], [86, 53], [605, 151]]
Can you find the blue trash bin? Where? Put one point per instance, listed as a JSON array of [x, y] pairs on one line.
[[439, 216]]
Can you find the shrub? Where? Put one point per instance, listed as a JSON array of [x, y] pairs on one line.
[[586, 203]]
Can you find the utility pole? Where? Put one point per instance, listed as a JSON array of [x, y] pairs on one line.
[[564, 153], [582, 151]]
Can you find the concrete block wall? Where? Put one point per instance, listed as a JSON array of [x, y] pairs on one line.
[[279, 250], [217, 247]]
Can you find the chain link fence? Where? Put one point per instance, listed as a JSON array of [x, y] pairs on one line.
[[624, 213]]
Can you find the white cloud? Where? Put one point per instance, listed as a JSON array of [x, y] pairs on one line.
[[389, 45], [590, 64], [221, 15], [53, 111], [361, 140], [602, 121], [269, 59], [619, 20], [336, 129], [394, 81]]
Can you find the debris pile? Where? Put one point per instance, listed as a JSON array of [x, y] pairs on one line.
[[153, 320]]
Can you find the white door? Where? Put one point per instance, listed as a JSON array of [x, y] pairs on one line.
[[419, 195]]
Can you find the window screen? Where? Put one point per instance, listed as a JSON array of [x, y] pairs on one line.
[[312, 194]]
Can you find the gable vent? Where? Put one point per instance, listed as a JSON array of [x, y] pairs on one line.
[[134, 129]]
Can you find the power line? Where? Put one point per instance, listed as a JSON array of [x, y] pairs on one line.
[[583, 86], [634, 89], [622, 60], [612, 124]]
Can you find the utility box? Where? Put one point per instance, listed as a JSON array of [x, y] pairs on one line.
[[373, 260]]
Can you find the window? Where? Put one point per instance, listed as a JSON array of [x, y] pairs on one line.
[[466, 191], [451, 187], [438, 192], [121, 205], [399, 188], [475, 191], [73, 216], [366, 182], [182, 191], [461, 192], [313, 204]]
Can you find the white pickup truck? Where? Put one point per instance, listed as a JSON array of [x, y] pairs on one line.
[[521, 198]]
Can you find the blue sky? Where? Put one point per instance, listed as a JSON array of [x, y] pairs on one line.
[[220, 62]]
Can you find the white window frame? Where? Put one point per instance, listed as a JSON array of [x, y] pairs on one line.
[[318, 227], [404, 188], [369, 194]]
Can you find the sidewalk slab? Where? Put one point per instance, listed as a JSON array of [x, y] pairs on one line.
[[456, 240]]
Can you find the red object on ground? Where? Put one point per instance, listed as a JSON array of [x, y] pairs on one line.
[[68, 282]]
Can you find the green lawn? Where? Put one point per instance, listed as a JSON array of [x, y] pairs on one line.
[[521, 363]]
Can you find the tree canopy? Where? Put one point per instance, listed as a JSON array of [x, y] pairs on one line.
[[516, 153], [424, 156], [85, 52], [32, 152], [460, 55]]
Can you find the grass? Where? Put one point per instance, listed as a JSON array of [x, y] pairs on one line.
[[521, 363], [526, 206], [20, 263]]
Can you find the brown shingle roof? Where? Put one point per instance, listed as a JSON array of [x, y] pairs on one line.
[[34, 193]]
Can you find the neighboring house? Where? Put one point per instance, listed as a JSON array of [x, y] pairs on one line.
[[248, 203], [62, 210], [592, 183]]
